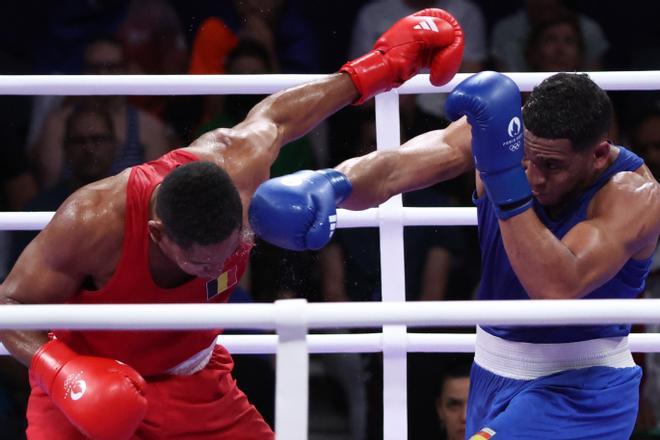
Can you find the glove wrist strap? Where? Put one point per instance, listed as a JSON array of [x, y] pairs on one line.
[[48, 361], [340, 184], [370, 74], [505, 212]]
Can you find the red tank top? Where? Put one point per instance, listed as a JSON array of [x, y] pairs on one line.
[[151, 352]]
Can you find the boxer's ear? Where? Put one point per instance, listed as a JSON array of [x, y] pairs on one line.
[[156, 230]]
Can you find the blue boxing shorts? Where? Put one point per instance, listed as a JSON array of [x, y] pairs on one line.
[[576, 390]]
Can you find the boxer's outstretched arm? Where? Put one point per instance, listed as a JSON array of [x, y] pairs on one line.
[[297, 110], [427, 159], [298, 211], [248, 150], [429, 38]]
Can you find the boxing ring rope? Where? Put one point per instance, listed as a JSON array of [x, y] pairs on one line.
[[83, 85], [32, 221], [291, 319], [373, 343]]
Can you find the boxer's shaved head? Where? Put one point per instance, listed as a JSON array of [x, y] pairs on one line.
[[199, 204]]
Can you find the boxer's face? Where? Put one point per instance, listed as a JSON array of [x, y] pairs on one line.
[[557, 173], [201, 261]]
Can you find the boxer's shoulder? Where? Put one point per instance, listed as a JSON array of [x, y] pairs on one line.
[[92, 220]]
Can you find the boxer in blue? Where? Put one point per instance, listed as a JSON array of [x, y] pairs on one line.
[[563, 214]]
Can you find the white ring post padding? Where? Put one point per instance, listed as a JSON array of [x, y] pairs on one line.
[[292, 370], [31, 221], [71, 85], [373, 343], [393, 281]]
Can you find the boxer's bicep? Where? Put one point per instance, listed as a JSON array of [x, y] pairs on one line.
[[622, 224], [38, 278]]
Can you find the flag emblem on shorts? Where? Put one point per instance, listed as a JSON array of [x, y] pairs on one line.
[[226, 280], [484, 434]]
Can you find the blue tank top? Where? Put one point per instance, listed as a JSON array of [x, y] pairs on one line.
[[499, 281]]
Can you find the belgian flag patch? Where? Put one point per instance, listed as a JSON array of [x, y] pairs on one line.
[[225, 281]]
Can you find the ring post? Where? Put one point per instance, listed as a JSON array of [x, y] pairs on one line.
[[393, 281], [292, 370]]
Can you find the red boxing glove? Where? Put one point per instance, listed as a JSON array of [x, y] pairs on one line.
[[428, 38], [101, 397]]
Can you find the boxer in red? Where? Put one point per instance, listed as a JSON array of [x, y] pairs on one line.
[[175, 230]]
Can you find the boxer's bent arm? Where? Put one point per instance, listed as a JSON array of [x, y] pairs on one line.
[[427, 159], [50, 270], [624, 223]]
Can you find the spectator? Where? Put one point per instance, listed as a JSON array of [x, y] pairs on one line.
[[645, 137], [287, 35], [511, 34], [154, 44], [452, 397], [141, 136], [153, 39], [213, 42], [556, 45], [55, 33], [89, 148]]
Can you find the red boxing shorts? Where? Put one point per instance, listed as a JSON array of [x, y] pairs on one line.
[[204, 405]]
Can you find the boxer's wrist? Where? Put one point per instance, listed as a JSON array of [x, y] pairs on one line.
[[47, 361], [370, 74], [340, 183]]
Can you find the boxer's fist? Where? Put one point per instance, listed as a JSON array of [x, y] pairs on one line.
[[429, 38], [491, 102], [101, 397], [298, 211]]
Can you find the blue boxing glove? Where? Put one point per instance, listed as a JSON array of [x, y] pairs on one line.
[[491, 102], [299, 211]]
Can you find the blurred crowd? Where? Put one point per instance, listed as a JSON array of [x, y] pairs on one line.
[[53, 145]]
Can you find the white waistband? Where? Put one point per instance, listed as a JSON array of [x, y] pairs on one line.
[[194, 363], [527, 361]]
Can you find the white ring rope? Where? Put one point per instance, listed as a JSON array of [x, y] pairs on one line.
[[266, 316], [373, 343], [29, 221], [71, 85]]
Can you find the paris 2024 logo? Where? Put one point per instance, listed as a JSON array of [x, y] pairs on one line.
[[515, 132]]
